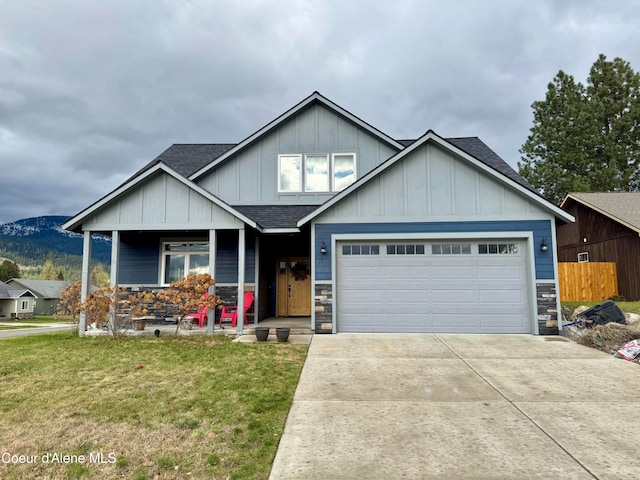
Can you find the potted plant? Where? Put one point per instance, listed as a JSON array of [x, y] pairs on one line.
[[282, 333], [262, 333]]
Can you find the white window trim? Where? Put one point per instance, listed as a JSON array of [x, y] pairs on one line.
[[24, 305], [280, 157], [302, 180], [186, 253], [333, 169], [585, 257]]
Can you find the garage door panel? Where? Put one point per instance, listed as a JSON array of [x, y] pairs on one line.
[[454, 296], [455, 321], [453, 272], [357, 272], [372, 323], [461, 293], [412, 272], [501, 297], [503, 272], [498, 323]]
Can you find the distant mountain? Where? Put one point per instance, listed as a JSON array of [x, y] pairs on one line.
[[31, 241]]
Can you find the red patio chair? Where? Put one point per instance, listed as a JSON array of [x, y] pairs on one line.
[[230, 312], [202, 313]]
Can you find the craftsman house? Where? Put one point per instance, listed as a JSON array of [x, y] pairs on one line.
[[325, 217], [47, 293], [16, 302], [607, 229]]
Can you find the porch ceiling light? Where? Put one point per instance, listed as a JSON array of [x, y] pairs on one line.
[[323, 249]]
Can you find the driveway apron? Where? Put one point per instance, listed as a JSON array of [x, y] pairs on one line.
[[426, 406]]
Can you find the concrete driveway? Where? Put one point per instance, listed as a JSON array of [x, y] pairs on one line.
[[404, 406]]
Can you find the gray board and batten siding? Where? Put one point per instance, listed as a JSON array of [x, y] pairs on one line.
[[161, 202], [250, 178]]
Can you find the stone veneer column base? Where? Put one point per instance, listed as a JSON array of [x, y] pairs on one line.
[[323, 305], [547, 308]]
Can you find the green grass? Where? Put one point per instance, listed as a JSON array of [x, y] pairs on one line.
[[626, 307], [49, 319], [16, 327], [200, 407]]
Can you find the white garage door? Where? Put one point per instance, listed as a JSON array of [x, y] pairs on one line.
[[433, 286]]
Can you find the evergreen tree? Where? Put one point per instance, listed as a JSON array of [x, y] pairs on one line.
[[9, 270], [586, 138]]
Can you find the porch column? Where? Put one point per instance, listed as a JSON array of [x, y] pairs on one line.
[[212, 272], [86, 279], [115, 257], [241, 264]]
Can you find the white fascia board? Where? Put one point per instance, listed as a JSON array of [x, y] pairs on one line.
[[600, 211], [280, 230], [78, 219], [315, 96], [431, 136]]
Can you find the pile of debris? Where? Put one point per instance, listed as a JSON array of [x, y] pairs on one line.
[[606, 328]]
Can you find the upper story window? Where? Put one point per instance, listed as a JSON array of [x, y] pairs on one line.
[[180, 259], [316, 172], [344, 170]]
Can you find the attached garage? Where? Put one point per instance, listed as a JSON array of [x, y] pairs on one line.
[[464, 286]]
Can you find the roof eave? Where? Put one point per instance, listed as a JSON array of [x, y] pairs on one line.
[[595, 208]]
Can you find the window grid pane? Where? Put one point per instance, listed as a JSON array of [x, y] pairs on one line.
[[316, 173], [344, 171], [289, 178]]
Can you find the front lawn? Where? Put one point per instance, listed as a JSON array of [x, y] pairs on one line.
[[144, 407]]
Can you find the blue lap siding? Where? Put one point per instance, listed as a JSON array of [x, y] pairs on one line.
[[541, 230]]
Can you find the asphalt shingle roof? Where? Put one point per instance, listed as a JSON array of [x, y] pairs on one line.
[[478, 149], [276, 216], [42, 288], [623, 207]]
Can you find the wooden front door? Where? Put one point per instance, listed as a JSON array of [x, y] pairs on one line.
[[293, 287]]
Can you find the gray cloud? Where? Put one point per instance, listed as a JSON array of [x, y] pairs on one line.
[[90, 91]]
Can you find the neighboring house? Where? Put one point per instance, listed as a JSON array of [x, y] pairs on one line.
[[47, 293], [16, 302], [323, 216], [607, 229]]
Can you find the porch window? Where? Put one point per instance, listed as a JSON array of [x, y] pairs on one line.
[[183, 258]]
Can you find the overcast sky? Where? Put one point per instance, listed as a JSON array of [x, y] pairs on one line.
[[90, 91]]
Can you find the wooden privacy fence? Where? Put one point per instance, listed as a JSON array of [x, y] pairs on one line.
[[587, 282]]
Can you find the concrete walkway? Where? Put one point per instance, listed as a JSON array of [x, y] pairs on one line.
[[420, 406], [32, 328]]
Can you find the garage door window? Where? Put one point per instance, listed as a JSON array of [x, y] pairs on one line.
[[451, 249], [405, 249], [361, 249], [498, 249]]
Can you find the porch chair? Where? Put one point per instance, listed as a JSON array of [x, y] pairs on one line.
[[201, 314], [230, 312]]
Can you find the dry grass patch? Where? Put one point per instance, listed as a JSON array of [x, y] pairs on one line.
[[199, 406]]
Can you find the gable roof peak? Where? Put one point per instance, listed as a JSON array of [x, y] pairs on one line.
[[300, 106]]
